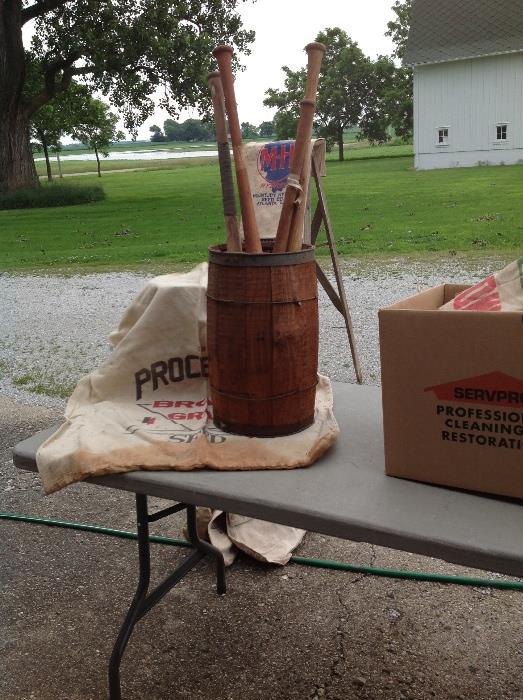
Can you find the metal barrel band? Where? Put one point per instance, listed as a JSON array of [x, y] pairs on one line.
[[219, 255], [242, 397], [263, 431], [258, 303]]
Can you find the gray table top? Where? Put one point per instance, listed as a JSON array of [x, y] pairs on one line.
[[346, 494]]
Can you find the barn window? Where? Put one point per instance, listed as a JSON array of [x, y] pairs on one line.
[[443, 136], [501, 132]]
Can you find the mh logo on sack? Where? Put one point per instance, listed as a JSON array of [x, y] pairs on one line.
[[274, 161]]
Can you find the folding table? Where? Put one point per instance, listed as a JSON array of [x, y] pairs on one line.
[[345, 494]]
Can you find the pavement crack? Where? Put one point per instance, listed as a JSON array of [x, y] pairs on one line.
[[337, 665], [336, 668], [373, 557]]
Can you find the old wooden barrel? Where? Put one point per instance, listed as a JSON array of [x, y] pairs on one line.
[[262, 340]]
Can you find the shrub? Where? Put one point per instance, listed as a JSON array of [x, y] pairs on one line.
[[400, 141], [51, 195]]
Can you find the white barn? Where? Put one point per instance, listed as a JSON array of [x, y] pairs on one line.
[[467, 58]]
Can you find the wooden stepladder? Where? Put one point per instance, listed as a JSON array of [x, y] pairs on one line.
[[338, 297]]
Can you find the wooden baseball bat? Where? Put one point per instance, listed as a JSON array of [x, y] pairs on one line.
[[315, 52], [223, 55], [293, 190], [233, 240], [298, 215]]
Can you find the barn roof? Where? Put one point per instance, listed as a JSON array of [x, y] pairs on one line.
[[449, 30]]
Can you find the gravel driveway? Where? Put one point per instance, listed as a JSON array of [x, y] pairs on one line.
[[55, 328], [296, 634]]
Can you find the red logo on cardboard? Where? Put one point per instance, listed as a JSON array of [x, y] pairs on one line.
[[495, 388]]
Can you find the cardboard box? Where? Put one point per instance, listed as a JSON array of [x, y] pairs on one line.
[[452, 384]]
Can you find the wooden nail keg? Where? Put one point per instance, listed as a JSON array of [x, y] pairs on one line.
[[262, 340]]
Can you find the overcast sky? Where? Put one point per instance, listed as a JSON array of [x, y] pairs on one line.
[[283, 28]]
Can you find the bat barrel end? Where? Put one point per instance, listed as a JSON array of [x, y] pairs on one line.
[[315, 46], [223, 48]]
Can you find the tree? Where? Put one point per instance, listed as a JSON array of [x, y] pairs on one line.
[[98, 129], [400, 103], [285, 124], [59, 117], [157, 135], [287, 103], [345, 72], [196, 130], [375, 120], [189, 130], [266, 129], [249, 131], [123, 49], [46, 130], [341, 93], [400, 96], [398, 28], [173, 130]]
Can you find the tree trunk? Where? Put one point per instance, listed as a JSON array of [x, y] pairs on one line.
[[47, 161], [97, 162], [340, 144], [17, 168]]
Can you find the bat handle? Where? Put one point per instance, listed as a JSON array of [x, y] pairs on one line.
[[233, 239]]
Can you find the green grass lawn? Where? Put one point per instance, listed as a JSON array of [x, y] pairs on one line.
[[386, 206], [377, 206], [360, 150]]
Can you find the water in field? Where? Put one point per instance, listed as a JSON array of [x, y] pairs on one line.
[[139, 155]]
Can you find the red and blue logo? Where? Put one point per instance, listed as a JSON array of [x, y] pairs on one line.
[[274, 161]]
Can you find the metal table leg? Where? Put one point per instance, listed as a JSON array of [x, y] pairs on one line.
[[144, 601], [206, 548]]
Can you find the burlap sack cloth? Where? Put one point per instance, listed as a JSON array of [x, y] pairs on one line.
[[502, 291], [146, 407]]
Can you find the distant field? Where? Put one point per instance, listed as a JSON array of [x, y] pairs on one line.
[[89, 166], [145, 146], [378, 205], [353, 150], [71, 149]]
